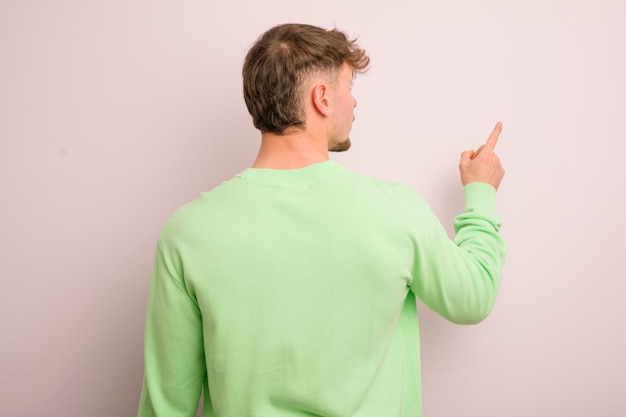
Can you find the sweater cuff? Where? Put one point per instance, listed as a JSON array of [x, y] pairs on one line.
[[480, 197]]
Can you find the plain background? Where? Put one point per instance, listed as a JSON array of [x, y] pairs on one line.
[[114, 113]]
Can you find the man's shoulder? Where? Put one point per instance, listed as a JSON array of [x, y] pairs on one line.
[[199, 214], [393, 189]]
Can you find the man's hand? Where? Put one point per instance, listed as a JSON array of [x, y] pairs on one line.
[[483, 165]]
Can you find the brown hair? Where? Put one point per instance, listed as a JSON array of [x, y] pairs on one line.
[[279, 63]]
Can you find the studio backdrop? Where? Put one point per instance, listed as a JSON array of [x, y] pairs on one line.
[[115, 113]]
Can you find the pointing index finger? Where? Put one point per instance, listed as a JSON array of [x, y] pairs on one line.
[[493, 137]]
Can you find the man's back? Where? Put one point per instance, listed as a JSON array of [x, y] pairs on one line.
[[292, 288]]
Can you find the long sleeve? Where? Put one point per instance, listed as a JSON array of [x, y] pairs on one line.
[[460, 279], [174, 357]]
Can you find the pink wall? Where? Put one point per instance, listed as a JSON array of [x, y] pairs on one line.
[[114, 113]]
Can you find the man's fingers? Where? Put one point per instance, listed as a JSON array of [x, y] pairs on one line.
[[467, 155], [493, 138], [478, 151]]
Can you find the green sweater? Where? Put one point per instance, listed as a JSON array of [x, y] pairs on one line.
[[291, 293]]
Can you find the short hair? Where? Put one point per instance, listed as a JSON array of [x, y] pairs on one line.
[[278, 65]]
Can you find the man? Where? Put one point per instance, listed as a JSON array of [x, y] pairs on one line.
[[290, 289]]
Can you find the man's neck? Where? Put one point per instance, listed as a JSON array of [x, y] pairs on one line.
[[290, 151]]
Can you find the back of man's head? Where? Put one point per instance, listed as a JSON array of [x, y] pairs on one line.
[[278, 65]]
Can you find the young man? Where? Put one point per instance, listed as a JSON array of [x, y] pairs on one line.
[[290, 289]]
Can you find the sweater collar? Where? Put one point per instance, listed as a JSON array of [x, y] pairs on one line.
[[305, 174]]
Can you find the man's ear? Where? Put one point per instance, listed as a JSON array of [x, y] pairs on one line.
[[321, 99]]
